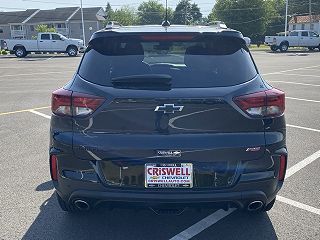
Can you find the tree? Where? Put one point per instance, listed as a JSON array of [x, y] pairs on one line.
[[125, 16], [109, 12], [151, 12], [248, 16], [301, 7], [186, 13], [45, 28], [276, 21]]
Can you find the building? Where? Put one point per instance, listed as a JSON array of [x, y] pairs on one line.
[[303, 23], [67, 21]]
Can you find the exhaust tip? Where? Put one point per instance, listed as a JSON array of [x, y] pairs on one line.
[[255, 206], [82, 205]]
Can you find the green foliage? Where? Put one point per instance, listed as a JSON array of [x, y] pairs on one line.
[[4, 52], [186, 13], [248, 16], [152, 12], [125, 16], [301, 7], [44, 28], [276, 19]]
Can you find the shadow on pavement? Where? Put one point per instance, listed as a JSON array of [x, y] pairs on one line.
[[46, 186], [103, 223]]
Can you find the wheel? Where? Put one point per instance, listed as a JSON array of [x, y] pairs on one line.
[[20, 52], [269, 206], [72, 51], [274, 48], [66, 206], [311, 48], [284, 47]]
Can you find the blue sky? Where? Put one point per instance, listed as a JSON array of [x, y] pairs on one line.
[[14, 5]]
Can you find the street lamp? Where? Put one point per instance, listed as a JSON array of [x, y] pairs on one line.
[[82, 22]]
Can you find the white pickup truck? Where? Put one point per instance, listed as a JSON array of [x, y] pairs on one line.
[[46, 42], [297, 38]]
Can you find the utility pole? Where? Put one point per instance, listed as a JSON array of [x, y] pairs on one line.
[[286, 22], [83, 32], [310, 15]]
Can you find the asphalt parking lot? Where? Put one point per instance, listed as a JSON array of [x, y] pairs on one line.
[[28, 205]]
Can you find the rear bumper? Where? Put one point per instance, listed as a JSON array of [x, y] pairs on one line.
[[239, 196]]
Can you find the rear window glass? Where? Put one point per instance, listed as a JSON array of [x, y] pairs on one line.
[[190, 61]]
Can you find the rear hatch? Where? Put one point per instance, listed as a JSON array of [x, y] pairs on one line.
[[168, 100]]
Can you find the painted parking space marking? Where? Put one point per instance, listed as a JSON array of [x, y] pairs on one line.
[[298, 205], [31, 74], [302, 164], [24, 110], [304, 128], [203, 224], [290, 70], [300, 75], [296, 83], [303, 99], [40, 114]]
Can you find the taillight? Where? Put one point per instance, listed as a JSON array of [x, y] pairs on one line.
[[61, 102], [83, 104], [54, 167], [270, 103], [68, 103], [282, 167]]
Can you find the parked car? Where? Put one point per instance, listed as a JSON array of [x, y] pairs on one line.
[[46, 42], [167, 117], [298, 38]]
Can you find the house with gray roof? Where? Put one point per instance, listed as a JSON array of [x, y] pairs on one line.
[[67, 21]]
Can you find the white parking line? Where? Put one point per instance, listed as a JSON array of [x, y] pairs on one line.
[[298, 205], [31, 74], [40, 114], [300, 75], [290, 70], [203, 224], [302, 164], [303, 99], [304, 128], [296, 83]]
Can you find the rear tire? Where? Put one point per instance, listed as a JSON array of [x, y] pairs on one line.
[[20, 52], [66, 206], [284, 47], [72, 51], [274, 48]]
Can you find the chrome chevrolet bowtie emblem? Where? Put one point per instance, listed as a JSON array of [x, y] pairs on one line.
[[168, 108]]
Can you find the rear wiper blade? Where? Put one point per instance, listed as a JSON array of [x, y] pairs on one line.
[[146, 79]]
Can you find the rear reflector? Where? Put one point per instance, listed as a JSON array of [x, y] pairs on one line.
[[68, 103], [54, 167], [282, 167], [270, 103]]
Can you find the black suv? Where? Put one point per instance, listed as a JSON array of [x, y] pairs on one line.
[[167, 117]]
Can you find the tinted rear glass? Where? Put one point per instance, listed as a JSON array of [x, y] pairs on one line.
[[190, 61]]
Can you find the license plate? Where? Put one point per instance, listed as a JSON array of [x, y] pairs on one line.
[[168, 175]]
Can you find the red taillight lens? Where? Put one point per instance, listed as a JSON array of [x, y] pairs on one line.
[[61, 102], [84, 104], [54, 167], [270, 103], [68, 103], [282, 167]]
